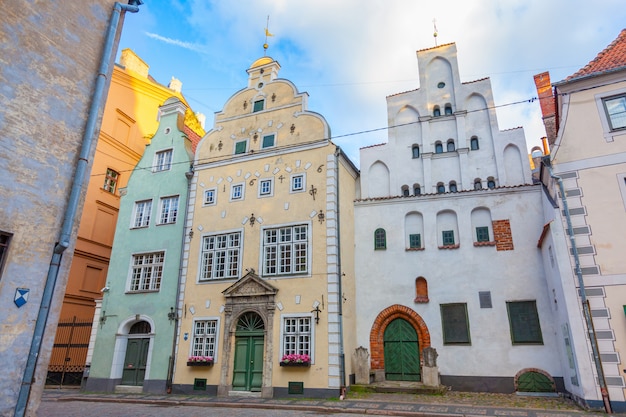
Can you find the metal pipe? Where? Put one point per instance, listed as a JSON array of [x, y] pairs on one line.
[[342, 356], [71, 211], [595, 351]]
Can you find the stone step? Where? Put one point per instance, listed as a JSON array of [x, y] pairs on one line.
[[128, 389]]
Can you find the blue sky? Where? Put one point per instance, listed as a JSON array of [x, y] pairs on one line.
[[350, 54]]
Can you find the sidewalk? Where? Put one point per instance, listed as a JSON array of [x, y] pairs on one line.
[[455, 404]]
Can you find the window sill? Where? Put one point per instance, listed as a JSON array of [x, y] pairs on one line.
[[141, 291], [296, 364], [491, 243], [450, 246], [200, 363], [421, 299], [413, 249]]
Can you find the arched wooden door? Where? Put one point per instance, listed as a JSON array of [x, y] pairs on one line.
[[136, 359], [249, 344], [402, 353]]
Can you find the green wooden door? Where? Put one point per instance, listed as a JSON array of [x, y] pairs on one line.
[[135, 361], [402, 357], [248, 370]]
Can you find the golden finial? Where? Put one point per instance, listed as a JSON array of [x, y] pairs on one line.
[[267, 33], [435, 30]]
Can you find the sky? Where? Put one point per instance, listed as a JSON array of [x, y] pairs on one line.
[[349, 55]]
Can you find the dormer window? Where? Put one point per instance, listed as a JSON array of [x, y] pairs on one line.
[[448, 109], [437, 111], [258, 105], [438, 147]]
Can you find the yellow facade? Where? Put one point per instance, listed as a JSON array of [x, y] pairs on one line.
[[248, 184]]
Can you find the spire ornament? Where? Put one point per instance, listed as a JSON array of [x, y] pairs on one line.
[[267, 33]]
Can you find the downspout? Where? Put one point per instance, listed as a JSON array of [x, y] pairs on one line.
[[71, 211], [342, 356], [595, 351], [177, 318]]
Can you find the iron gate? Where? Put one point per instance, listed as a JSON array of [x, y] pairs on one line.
[[69, 352]]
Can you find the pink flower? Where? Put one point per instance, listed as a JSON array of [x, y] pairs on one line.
[[296, 358], [200, 359]]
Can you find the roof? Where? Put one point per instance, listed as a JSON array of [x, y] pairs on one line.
[[611, 58], [261, 61], [435, 47]]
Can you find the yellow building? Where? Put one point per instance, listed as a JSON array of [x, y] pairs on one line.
[[269, 259], [129, 121]]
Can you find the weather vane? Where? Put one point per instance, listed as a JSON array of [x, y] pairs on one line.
[[267, 33], [434, 27]]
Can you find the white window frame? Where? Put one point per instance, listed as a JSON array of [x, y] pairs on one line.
[[283, 334], [263, 259], [163, 165], [270, 193], [145, 283], [205, 201], [212, 252], [291, 183], [141, 217], [111, 179], [192, 347], [170, 213], [609, 134], [233, 187]]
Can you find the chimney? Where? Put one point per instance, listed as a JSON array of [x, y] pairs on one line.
[[201, 119], [547, 101], [130, 61], [175, 85]]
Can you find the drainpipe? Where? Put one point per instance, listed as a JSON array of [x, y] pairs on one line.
[[170, 371], [71, 211], [581, 284], [342, 355]]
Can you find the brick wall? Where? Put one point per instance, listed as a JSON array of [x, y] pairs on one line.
[[502, 235]]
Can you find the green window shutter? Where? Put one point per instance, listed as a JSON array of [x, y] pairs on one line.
[[268, 141], [415, 241], [482, 234], [524, 322], [448, 237], [455, 324], [240, 147]]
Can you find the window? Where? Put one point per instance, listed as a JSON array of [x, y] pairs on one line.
[[110, 181], [204, 338], [452, 186], [482, 234], [437, 111], [524, 321], [169, 210], [438, 147], [142, 213], [380, 239], [285, 250], [5, 239], [236, 192], [450, 146], [147, 271], [447, 237], [448, 110], [268, 141], [415, 150], [417, 190], [210, 196], [163, 160], [220, 256], [478, 185], [297, 336], [405, 190], [474, 143], [258, 105], [441, 188], [491, 184], [240, 147], [616, 111], [455, 324], [297, 183], [415, 241], [266, 187]]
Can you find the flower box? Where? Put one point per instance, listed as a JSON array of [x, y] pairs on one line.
[[192, 363], [295, 360], [200, 361], [295, 364]]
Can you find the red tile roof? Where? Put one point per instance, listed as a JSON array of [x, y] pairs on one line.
[[611, 58]]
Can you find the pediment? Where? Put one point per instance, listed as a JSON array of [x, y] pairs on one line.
[[250, 285]]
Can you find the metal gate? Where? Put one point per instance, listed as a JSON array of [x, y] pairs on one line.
[[69, 353]]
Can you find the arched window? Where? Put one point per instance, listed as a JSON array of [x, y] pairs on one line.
[[405, 190], [415, 149], [380, 239], [448, 110], [417, 190], [478, 184], [441, 188], [438, 147], [491, 184], [450, 146], [437, 111], [474, 143], [452, 187]]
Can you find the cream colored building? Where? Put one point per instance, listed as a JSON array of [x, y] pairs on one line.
[[585, 119], [269, 259]]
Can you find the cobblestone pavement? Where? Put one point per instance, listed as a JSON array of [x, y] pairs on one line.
[[72, 403]]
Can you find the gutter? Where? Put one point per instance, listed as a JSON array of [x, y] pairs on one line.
[[595, 351], [71, 211], [342, 355]]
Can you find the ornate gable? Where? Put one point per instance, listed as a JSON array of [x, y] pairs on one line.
[[250, 285]]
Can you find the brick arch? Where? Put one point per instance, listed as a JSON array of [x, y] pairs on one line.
[[382, 321], [537, 370]]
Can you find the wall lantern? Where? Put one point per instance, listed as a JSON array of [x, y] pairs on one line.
[[172, 314]]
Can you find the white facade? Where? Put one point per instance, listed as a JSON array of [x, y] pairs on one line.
[[469, 196]]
